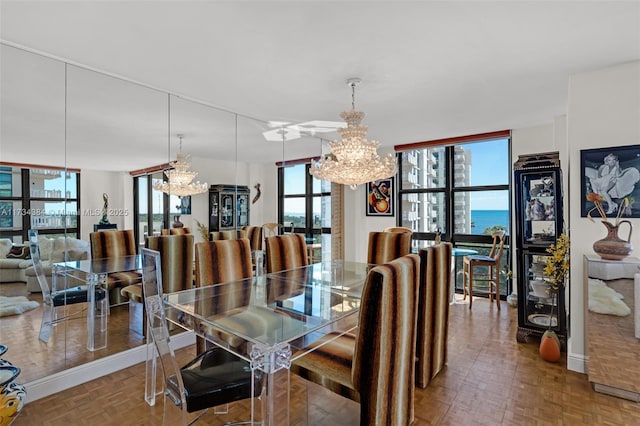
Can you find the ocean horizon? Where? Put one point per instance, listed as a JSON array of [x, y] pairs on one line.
[[483, 219]]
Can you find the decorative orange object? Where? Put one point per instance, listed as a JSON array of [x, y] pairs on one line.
[[550, 346], [382, 206]]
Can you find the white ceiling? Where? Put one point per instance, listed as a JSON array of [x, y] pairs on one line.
[[430, 69]]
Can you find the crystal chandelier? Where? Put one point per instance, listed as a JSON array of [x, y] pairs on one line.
[[354, 160], [180, 178]]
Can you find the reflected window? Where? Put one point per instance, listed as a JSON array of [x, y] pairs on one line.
[[305, 205], [38, 198]]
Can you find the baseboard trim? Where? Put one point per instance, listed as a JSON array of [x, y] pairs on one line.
[[75, 376], [577, 363]]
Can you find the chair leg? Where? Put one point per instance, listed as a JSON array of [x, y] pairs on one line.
[[497, 285], [470, 284], [48, 317]]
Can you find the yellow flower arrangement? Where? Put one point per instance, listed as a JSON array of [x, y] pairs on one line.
[[557, 264]]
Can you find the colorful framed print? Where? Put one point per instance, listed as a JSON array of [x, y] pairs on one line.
[[380, 198], [614, 174]]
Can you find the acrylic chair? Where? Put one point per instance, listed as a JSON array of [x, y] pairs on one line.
[[56, 298], [286, 252], [386, 246], [214, 378], [433, 312], [490, 264], [110, 244], [218, 262], [376, 367]]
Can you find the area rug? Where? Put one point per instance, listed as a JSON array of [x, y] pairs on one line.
[[605, 300], [16, 305]]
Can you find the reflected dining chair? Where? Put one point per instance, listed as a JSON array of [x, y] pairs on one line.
[[224, 235], [175, 231], [55, 299], [386, 246], [176, 252], [218, 262], [398, 229], [433, 312], [110, 244], [215, 377], [376, 367], [490, 272], [254, 234], [286, 252]]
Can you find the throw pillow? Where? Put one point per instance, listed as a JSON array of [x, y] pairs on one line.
[[18, 252]]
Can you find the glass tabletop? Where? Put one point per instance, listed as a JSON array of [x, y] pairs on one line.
[[104, 266], [275, 308]]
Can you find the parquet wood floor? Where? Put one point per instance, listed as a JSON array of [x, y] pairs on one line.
[[490, 379], [67, 346]]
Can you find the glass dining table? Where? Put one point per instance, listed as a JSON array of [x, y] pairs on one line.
[[275, 317], [94, 273]]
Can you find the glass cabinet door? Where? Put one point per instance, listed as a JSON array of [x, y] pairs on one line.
[[243, 210], [226, 210], [541, 305], [539, 206]]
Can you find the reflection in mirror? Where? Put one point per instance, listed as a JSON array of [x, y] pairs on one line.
[[32, 132]]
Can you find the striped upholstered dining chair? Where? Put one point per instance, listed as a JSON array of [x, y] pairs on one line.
[[218, 262], [254, 234], [386, 246], [376, 367], [433, 312], [175, 231], [116, 243], [224, 235], [176, 253], [398, 229], [286, 252]]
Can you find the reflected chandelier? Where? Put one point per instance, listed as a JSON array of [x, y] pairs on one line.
[[180, 178], [354, 160]]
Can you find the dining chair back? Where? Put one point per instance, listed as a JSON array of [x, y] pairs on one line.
[[286, 252], [224, 235], [433, 311], [218, 262], [66, 291], [386, 246], [489, 273], [110, 244], [213, 378], [175, 231], [254, 234], [376, 367], [398, 229]]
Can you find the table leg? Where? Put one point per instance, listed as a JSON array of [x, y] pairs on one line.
[[97, 311], [272, 363]]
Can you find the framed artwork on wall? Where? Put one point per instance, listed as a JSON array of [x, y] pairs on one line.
[[614, 174], [380, 198]]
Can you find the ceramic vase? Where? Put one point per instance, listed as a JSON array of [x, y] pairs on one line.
[[612, 247], [550, 346]]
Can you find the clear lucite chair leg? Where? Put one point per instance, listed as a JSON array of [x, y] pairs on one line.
[[46, 327]]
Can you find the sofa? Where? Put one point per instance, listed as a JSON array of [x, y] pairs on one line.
[[16, 264]]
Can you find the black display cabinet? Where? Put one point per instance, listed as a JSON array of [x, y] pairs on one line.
[[228, 207], [538, 195]]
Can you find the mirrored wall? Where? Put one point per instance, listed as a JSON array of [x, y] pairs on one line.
[[80, 134]]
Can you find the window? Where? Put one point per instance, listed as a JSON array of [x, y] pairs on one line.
[[40, 198], [305, 205], [459, 187], [151, 206]]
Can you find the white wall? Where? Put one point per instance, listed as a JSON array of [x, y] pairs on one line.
[[118, 186], [603, 111]]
